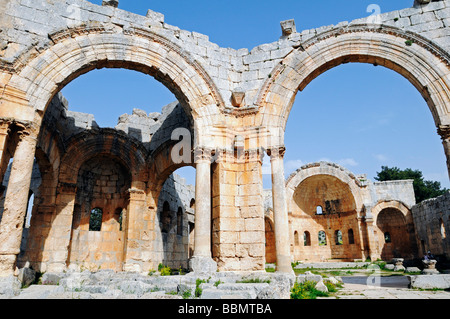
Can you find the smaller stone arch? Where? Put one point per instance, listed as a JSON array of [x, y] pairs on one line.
[[327, 169], [115, 144], [394, 230]]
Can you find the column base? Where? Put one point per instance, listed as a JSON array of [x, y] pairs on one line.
[[202, 265], [284, 265], [7, 265]]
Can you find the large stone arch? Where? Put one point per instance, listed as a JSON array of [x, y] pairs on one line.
[[39, 74], [329, 169], [418, 59]]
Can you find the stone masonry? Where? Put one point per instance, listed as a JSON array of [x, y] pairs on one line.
[[233, 107]]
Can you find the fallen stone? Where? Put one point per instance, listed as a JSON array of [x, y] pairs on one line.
[[412, 269], [320, 286], [51, 278], [26, 276], [430, 281], [9, 286]]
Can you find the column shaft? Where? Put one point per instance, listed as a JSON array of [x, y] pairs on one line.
[[16, 201], [281, 219], [202, 239]]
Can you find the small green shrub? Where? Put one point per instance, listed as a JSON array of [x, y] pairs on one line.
[[253, 281], [187, 294], [164, 270], [198, 290], [306, 290]]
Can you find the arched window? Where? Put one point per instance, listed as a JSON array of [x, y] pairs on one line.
[[387, 237], [319, 210], [306, 238], [351, 237], [118, 216], [165, 218], [180, 221], [29, 210], [322, 238], [338, 237], [443, 234], [95, 220], [296, 239]]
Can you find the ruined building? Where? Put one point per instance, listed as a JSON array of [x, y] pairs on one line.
[[107, 198]]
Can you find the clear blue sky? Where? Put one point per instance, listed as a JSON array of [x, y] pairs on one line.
[[357, 115]]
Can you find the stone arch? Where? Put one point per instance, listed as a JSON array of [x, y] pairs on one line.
[[340, 194], [107, 142], [394, 219], [161, 164], [423, 63], [39, 74], [394, 204], [329, 169]]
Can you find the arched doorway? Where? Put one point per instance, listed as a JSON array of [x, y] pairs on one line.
[[394, 235]]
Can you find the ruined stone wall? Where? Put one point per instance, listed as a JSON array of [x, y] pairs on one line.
[[325, 197], [432, 222], [171, 246], [394, 190], [234, 99], [104, 183], [26, 22]]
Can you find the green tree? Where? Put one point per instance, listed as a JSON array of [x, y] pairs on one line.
[[423, 189]]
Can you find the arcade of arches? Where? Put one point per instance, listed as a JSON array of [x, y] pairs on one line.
[[107, 198]]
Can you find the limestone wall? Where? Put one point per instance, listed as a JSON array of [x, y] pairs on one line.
[[172, 246], [27, 23], [402, 191], [432, 222]]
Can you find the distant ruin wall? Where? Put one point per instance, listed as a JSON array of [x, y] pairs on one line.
[[432, 223]]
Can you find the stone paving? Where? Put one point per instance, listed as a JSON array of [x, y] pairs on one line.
[[393, 287]]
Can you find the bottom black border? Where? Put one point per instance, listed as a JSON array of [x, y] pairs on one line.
[[231, 308]]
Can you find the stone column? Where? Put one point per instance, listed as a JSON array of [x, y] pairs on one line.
[[57, 246], [372, 242], [201, 261], [444, 132], [16, 201], [138, 228], [281, 218]]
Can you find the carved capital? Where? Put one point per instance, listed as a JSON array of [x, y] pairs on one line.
[[67, 188], [276, 152], [202, 154]]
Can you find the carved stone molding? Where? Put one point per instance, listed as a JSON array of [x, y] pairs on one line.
[[276, 152], [356, 28], [444, 132]]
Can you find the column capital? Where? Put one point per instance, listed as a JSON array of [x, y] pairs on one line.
[[203, 154], [67, 188], [444, 131], [276, 152]]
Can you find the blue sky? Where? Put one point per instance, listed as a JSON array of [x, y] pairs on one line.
[[357, 115]]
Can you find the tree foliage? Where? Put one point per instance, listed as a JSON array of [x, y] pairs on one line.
[[423, 189]]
